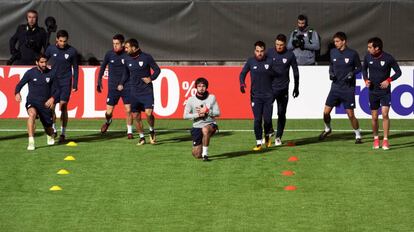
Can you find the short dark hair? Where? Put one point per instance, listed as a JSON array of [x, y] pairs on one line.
[[32, 11], [281, 37], [376, 42], [302, 17], [260, 44], [201, 80], [340, 35], [40, 56], [133, 42], [119, 37], [62, 33]]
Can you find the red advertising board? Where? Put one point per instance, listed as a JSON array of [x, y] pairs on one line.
[[171, 90]]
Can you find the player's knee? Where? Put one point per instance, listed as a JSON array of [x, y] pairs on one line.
[[385, 117], [32, 114]]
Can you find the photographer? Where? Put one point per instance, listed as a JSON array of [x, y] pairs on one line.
[[304, 41], [30, 39]]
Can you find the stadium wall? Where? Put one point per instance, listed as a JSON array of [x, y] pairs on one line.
[[215, 30], [176, 84]]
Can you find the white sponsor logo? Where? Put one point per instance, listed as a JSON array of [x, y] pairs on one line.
[[107, 100], [266, 66], [122, 60], [47, 79], [371, 62], [352, 104], [382, 63], [284, 60], [141, 63], [35, 79], [334, 60], [112, 61], [306, 34], [252, 104], [254, 67], [346, 60], [130, 65], [66, 56], [55, 54]]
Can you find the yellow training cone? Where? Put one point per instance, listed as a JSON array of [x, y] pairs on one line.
[[55, 188], [63, 172], [69, 158], [71, 144]]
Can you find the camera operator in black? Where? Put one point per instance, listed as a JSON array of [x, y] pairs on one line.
[[30, 39], [304, 42]]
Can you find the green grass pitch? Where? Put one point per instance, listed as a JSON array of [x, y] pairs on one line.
[[115, 185]]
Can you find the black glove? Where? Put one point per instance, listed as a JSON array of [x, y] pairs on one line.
[[349, 78], [296, 92], [332, 78], [99, 87], [242, 90]]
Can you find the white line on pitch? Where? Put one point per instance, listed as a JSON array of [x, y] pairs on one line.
[[177, 130]]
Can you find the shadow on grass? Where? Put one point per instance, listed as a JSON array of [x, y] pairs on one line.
[[334, 137], [235, 154], [19, 136], [187, 137]]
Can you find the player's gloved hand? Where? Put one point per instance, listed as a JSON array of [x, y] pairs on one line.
[[99, 87], [242, 88], [332, 78], [296, 92], [349, 78]]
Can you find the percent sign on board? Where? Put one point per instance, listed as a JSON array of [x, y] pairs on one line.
[[189, 88]]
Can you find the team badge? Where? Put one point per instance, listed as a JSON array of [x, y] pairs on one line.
[[254, 67], [130, 65], [112, 61], [141, 63], [47, 79], [371, 62], [284, 60], [123, 61], [266, 66], [334, 60], [66, 56], [382, 63], [346, 60], [55, 54], [35, 79]]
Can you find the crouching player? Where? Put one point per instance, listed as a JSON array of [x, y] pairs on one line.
[[43, 90], [202, 109]]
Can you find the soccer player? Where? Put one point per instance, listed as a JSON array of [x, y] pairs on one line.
[[202, 109], [138, 67], [282, 59], [261, 94], [376, 70], [343, 67], [63, 58], [115, 60], [43, 90]]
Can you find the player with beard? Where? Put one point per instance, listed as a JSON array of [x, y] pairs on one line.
[[202, 109], [261, 94], [43, 90], [138, 67]]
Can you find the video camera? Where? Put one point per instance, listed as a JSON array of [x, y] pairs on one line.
[[299, 42]]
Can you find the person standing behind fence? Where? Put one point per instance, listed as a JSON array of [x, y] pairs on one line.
[[30, 40], [304, 42]]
